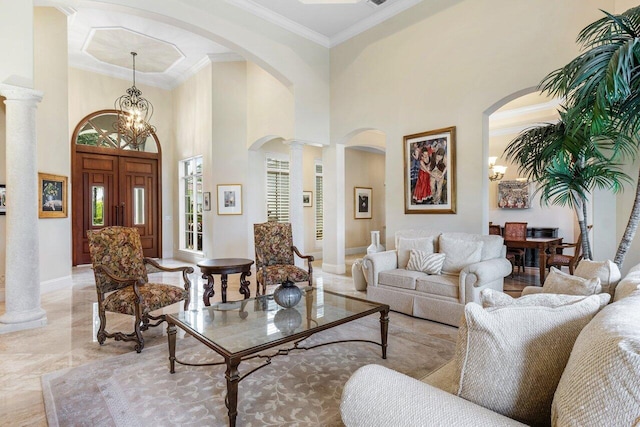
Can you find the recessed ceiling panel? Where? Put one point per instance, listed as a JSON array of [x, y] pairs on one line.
[[114, 46]]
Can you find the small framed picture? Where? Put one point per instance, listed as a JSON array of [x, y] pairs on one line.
[[362, 202], [229, 199], [53, 196], [3, 200], [206, 200], [307, 198]]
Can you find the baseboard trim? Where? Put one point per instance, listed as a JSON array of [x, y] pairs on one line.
[[65, 282], [334, 268]]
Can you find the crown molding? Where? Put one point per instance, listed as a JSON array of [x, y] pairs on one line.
[[206, 60], [281, 21], [370, 22], [530, 109], [519, 128]]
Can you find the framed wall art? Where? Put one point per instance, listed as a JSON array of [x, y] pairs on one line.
[[307, 198], [229, 199], [52, 196], [3, 199], [430, 172], [513, 194], [362, 202], [206, 200]]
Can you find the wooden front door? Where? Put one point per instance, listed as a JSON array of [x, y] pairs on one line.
[[114, 186]]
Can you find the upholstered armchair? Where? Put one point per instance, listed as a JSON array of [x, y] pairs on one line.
[[122, 282], [275, 256]]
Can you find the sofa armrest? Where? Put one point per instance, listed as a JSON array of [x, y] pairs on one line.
[[378, 396], [484, 274], [373, 264]]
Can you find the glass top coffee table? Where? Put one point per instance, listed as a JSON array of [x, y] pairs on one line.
[[241, 330]]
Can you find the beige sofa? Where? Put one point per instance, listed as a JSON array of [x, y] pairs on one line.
[[599, 384], [472, 263]]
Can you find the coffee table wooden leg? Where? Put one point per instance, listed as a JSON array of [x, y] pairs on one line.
[[233, 378], [384, 331], [208, 289], [171, 335]]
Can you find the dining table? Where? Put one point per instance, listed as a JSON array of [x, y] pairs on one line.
[[543, 244]]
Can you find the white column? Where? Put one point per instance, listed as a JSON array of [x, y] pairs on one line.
[[334, 210], [22, 287], [295, 197]]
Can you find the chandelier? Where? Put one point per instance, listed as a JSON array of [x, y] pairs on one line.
[[134, 114], [496, 172]]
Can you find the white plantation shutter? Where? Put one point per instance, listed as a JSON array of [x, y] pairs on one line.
[[319, 203], [277, 190]]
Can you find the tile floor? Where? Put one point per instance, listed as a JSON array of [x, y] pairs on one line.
[[68, 340]]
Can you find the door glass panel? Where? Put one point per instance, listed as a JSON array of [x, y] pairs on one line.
[[97, 205], [138, 206]]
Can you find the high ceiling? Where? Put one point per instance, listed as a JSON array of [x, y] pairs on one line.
[[101, 40]]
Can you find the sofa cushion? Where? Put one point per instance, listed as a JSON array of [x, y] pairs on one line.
[[424, 244], [510, 359], [601, 382], [427, 263], [459, 253], [491, 244], [492, 298], [558, 282], [443, 285], [606, 271], [399, 278]]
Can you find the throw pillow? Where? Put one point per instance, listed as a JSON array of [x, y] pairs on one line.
[[427, 263], [510, 359], [599, 386], [558, 282], [607, 271], [424, 244], [491, 298], [459, 253]]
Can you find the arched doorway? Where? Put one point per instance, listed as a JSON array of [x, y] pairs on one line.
[[114, 183]]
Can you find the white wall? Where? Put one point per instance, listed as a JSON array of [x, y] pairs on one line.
[[16, 42], [424, 70], [52, 133]]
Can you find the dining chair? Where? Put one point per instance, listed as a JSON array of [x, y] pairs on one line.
[[495, 229], [557, 259], [516, 231]]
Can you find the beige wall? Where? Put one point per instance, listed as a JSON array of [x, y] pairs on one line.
[[421, 71], [52, 134], [16, 42], [363, 169]]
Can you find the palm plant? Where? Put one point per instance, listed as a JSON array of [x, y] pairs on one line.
[[566, 164], [602, 88]]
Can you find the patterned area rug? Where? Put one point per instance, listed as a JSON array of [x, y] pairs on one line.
[[302, 388]]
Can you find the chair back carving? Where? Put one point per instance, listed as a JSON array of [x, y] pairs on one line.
[[120, 250], [273, 243], [515, 231]]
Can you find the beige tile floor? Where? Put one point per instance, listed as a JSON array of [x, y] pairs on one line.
[[68, 340]]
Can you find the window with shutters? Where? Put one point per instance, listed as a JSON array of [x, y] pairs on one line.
[[319, 202], [190, 175], [277, 189]]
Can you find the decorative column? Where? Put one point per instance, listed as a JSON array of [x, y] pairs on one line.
[[333, 244], [22, 286], [295, 197]]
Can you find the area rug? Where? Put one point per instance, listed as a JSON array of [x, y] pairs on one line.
[[302, 388]]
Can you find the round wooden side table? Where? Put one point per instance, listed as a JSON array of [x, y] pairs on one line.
[[224, 267]]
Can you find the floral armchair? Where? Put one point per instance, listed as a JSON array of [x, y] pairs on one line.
[[121, 275], [275, 256]]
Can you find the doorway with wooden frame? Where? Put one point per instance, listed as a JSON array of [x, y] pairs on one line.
[[114, 183]]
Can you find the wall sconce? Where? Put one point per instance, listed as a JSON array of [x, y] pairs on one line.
[[496, 172]]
